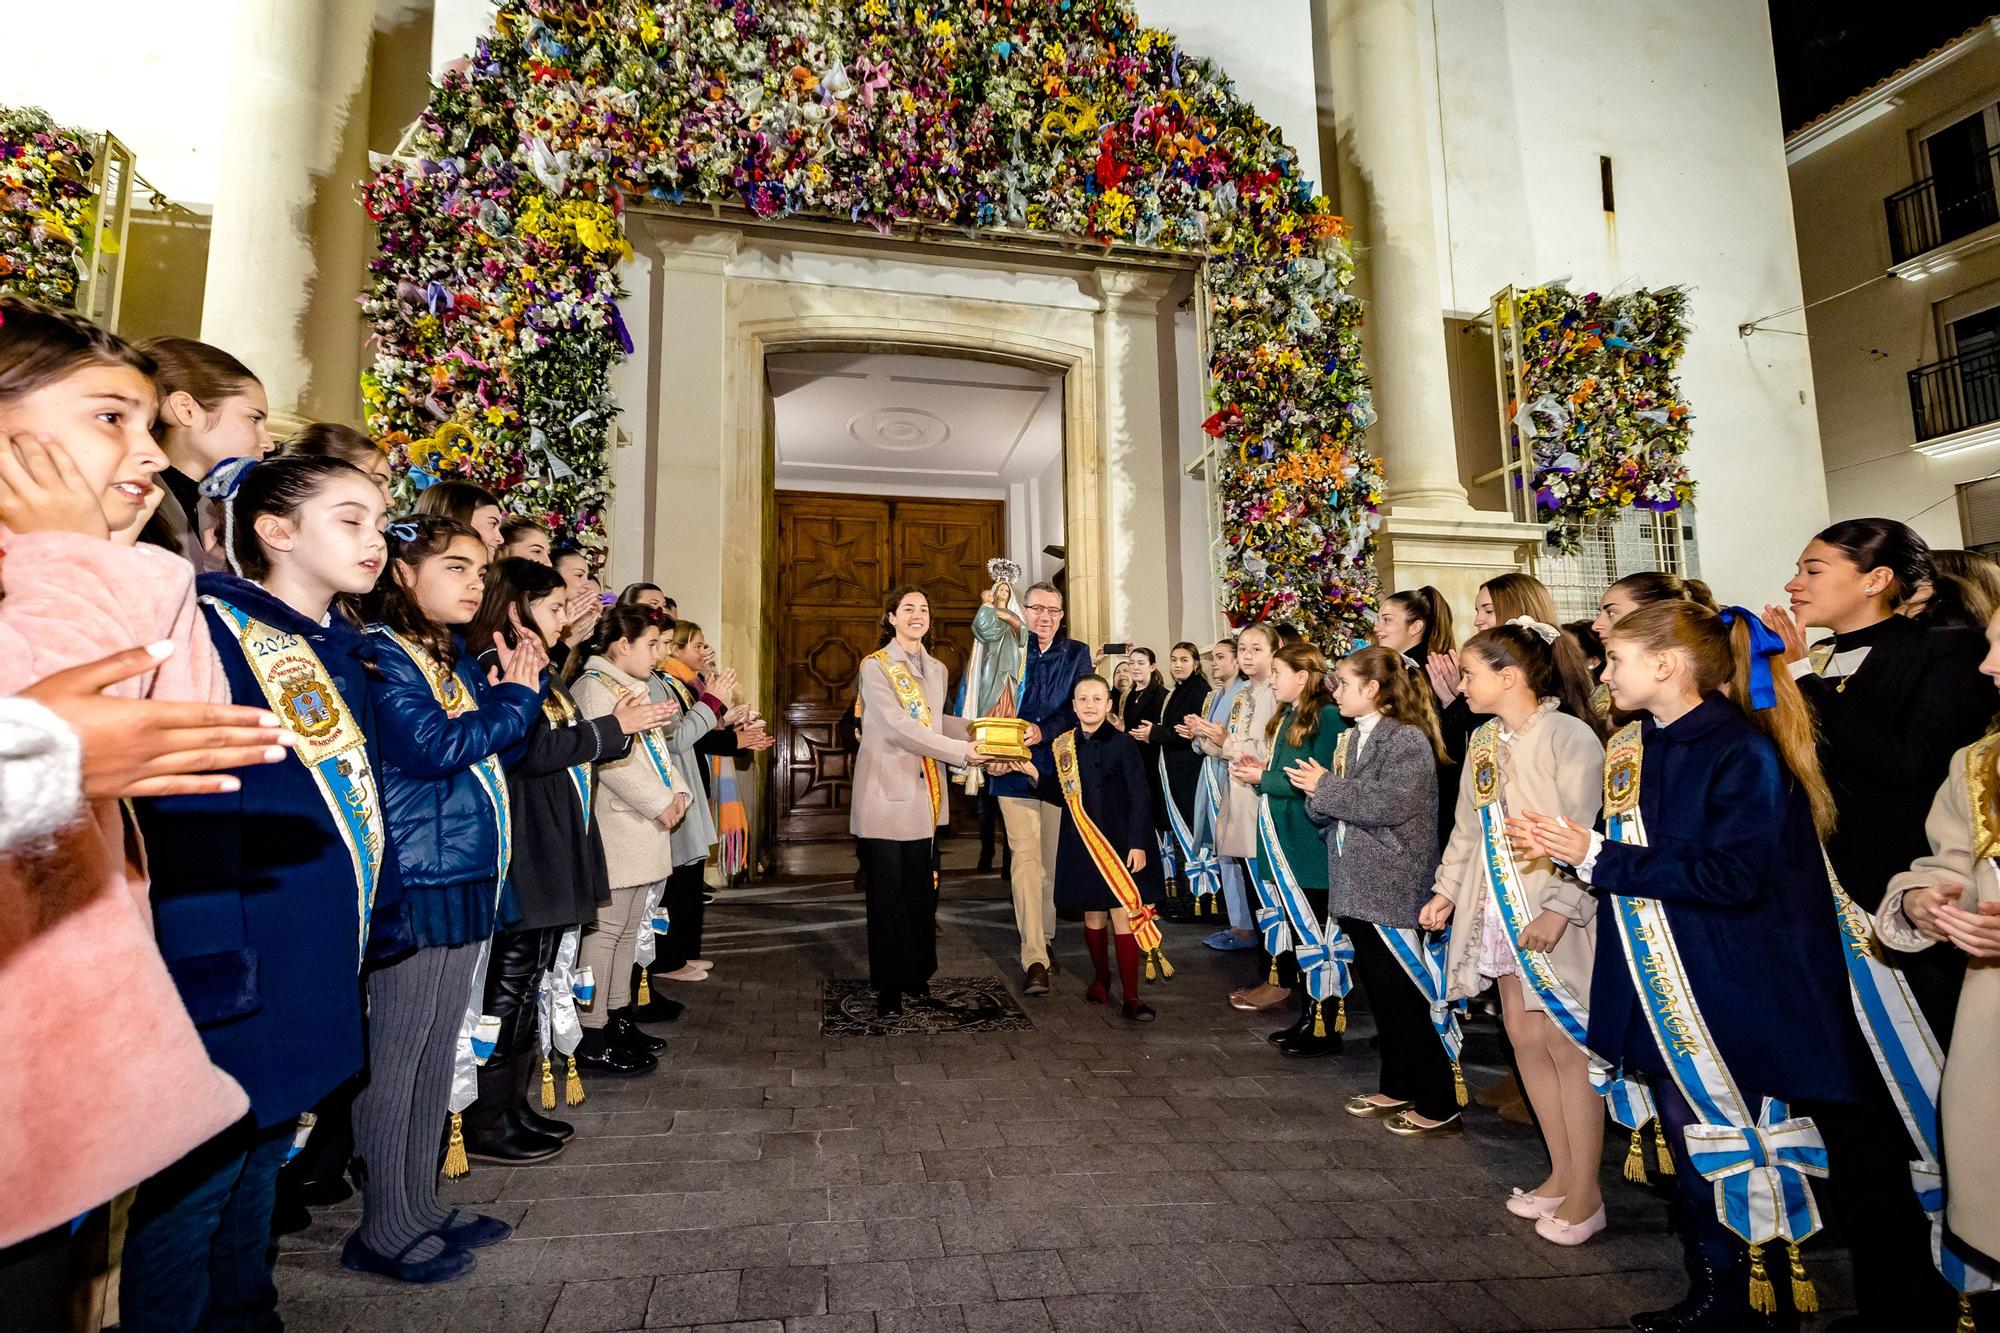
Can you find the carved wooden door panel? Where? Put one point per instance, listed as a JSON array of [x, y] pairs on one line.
[[838, 557]]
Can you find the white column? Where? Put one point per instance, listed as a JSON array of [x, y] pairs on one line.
[[691, 426], [456, 27], [1373, 55], [1132, 425], [285, 179]]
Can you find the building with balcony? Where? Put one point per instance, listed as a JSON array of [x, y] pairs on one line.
[[1896, 195]]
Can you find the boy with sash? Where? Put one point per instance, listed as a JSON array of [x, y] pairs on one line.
[[1106, 864], [1725, 987]]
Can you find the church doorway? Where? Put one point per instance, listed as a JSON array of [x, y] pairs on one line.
[[891, 469]]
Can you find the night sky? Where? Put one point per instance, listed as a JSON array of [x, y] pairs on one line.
[[1829, 50]]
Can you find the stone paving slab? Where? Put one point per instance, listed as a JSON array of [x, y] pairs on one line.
[[1087, 1175]]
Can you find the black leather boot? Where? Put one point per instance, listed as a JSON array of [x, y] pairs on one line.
[[598, 1055], [624, 1032], [528, 1094], [491, 1134], [1308, 1044], [1303, 1023]]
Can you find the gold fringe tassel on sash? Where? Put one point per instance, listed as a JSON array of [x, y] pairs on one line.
[[1763, 1297], [548, 1085], [1340, 1016], [1660, 1149], [1458, 1083], [1635, 1158], [573, 1086], [645, 989], [1805, 1296], [1965, 1320], [455, 1163], [1319, 1019]]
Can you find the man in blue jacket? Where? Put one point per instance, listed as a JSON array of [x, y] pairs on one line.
[[1055, 663]]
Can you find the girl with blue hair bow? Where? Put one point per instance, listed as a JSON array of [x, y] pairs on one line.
[[1721, 980]]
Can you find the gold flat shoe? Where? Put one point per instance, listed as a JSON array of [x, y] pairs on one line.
[[1363, 1109], [1400, 1123]]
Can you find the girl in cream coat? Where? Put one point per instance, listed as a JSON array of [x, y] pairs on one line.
[[1952, 898], [639, 800], [1533, 683]]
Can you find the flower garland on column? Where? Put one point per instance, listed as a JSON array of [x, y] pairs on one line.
[[44, 206], [495, 301], [1602, 418]]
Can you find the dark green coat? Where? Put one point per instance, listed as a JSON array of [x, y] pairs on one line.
[[1303, 843]]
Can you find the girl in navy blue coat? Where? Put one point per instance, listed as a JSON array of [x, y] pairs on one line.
[[1733, 809], [443, 726], [266, 899]]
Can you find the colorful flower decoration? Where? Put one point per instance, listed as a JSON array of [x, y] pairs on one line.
[[495, 300], [44, 206], [1601, 418]]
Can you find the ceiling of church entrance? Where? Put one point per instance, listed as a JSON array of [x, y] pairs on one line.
[[903, 424]]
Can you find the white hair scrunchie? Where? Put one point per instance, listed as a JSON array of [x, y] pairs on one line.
[[1545, 632]]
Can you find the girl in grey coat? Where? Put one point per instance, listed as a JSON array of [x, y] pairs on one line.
[[1380, 801]]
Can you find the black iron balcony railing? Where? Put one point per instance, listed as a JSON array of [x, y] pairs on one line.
[[1955, 394], [1943, 207]]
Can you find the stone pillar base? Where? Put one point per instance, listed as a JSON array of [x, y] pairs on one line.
[[1454, 552]]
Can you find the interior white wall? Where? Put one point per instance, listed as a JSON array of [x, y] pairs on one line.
[[1683, 99]]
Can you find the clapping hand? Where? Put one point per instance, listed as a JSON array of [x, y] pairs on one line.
[[1781, 622], [1938, 913], [1443, 670], [1143, 732], [1306, 774], [723, 683], [1535, 836], [1248, 770], [635, 713], [523, 661]]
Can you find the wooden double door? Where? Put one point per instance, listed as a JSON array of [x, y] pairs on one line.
[[839, 557]]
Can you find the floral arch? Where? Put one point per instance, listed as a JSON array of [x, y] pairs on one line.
[[495, 295]]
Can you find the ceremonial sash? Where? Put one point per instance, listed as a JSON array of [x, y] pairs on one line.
[[331, 744], [910, 693], [1324, 952], [1759, 1164], [1208, 812], [582, 777], [559, 1028], [1907, 1052], [1144, 921], [1631, 1105], [456, 700], [1424, 964], [1197, 860]]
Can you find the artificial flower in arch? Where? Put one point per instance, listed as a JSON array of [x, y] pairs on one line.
[[495, 294]]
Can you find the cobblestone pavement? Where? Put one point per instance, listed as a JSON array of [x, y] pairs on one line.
[[1088, 1175]]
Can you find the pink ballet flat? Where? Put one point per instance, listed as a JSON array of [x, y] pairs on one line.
[[1531, 1206], [1558, 1232]]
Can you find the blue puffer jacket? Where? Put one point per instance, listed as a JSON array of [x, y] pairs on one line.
[[441, 820]]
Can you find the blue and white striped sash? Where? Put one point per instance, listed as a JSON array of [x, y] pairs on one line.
[[1324, 953]]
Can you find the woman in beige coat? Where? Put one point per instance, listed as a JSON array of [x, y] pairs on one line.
[[1952, 897], [907, 742], [1537, 753], [1236, 828]]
